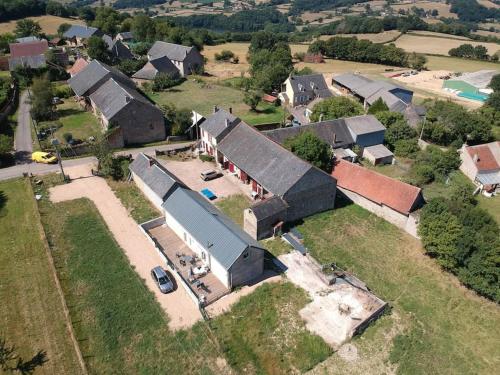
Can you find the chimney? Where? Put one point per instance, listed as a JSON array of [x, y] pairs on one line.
[[475, 158], [231, 110], [226, 122], [334, 138], [151, 162], [127, 99], [215, 109]]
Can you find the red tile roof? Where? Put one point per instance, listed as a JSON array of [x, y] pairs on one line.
[[28, 49], [486, 160], [269, 98], [79, 64], [376, 187]]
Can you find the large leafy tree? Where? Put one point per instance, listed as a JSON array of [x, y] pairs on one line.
[[41, 99], [309, 147], [336, 107], [27, 27], [98, 49]]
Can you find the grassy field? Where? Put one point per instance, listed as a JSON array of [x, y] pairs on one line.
[[442, 8], [458, 65], [49, 24], [382, 37], [202, 97], [31, 312], [137, 205], [437, 45], [435, 325]]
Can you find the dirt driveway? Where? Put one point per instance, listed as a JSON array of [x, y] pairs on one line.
[[189, 173], [180, 309]]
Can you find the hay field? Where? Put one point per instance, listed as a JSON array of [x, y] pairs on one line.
[[488, 4], [383, 37], [49, 24], [439, 35], [455, 64], [442, 8], [437, 45]]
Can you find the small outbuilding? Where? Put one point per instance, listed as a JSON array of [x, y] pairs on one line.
[[378, 154]]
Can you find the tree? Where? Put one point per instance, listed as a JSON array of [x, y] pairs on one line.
[[27, 27], [224, 55], [164, 81], [494, 101], [252, 99], [98, 49], [417, 61], [495, 83], [5, 39], [41, 100], [309, 147], [129, 66], [378, 106], [179, 120], [398, 132], [63, 27], [336, 107], [5, 144], [108, 20]]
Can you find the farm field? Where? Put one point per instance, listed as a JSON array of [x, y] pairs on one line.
[[435, 325], [438, 35], [442, 8], [488, 4], [49, 24], [33, 319], [455, 64], [382, 37], [437, 45], [203, 96], [124, 330]]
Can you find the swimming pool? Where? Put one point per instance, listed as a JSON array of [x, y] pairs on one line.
[[473, 96]]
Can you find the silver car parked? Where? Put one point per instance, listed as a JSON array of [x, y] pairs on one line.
[[161, 279]]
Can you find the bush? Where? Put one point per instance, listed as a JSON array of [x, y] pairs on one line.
[[67, 137], [207, 158], [63, 91], [406, 148], [224, 55], [165, 81]]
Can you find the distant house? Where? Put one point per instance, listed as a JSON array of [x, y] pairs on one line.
[[300, 90], [472, 83], [270, 171], [78, 66], [391, 199], [186, 59], [117, 49], [30, 54], [122, 107], [54, 42], [92, 76], [368, 91], [481, 164], [155, 181], [77, 35], [125, 36], [155, 66], [314, 58], [363, 131]]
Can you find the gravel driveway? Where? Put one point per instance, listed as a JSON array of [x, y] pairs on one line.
[[180, 309]]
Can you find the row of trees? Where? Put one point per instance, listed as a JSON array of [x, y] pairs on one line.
[[468, 51], [464, 239], [352, 49]]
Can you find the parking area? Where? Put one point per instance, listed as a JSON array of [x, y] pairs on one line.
[[189, 172]]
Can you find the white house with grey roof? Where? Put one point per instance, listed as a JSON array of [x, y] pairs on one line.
[[124, 108], [186, 59], [301, 90]]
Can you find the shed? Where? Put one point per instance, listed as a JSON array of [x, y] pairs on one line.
[[378, 154], [264, 218]]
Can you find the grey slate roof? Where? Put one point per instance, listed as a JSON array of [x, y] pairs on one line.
[[108, 40], [81, 31], [364, 124], [378, 151], [219, 122], [269, 207], [92, 74], [154, 175], [480, 79], [172, 51], [352, 81], [311, 82], [208, 226], [111, 97], [36, 61], [117, 48], [278, 170], [155, 66], [333, 132]]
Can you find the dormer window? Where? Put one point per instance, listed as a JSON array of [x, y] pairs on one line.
[[312, 85], [301, 87]]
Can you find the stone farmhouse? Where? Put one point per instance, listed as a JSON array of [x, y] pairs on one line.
[[186, 59], [301, 90], [391, 199], [221, 255], [298, 189], [481, 164], [155, 66]]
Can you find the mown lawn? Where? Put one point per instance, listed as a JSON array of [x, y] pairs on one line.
[[31, 310], [138, 206], [122, 329], [202, 96], [436, 325]]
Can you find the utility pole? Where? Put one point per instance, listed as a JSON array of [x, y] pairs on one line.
[[55, 143]]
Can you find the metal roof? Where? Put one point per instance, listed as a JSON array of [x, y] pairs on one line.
[[154, 175], [480, 79], [31, 61], [155, 66], [333, 132], [81, 31], [111, 97], [351, 81], [278, 170], [94, 72], [172, 51], [364, 124], [221, 237], [491, 178], [219, 122]]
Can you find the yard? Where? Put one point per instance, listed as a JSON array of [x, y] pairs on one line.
[[123, 330], [48, 23], [435, 325], [31, 312], [202, 96]]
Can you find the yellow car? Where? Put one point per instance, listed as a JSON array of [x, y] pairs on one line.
[[43, 157]]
